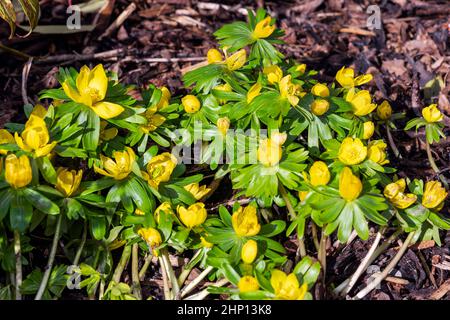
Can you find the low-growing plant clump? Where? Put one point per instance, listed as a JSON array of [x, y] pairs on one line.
[[108, 167]]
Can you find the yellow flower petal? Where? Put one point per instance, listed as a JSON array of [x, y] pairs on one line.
[[107, 110]]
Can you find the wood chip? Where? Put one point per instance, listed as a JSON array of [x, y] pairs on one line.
[[441, 291], [357, 31]]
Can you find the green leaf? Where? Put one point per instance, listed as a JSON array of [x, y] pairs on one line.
[[273, 228], [40, 202], [6, 198], [230, 273], [98, 227], [345, 223], [47, 170], [225, 216], [360, 223], [21, 212]]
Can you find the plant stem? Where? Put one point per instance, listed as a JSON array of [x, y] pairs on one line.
[[322, 254], [122, 263], [76, 260], [195, 282], [186, 271], [392, 143], [167, 294], [293, 215], [362, 266], [315, 236], [51, 259], [135, 272], [386, 271], [434, 166], [204, 293], [170, 273], [147, 261], [18, 255], [15, 52]]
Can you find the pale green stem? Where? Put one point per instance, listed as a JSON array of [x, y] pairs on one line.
[[204, 293], [322, 254], [76, 260], [51, 259], [392, 142], [170, 273], [434, 165], [191, 286], [135, 272], [186, 271], [167, 294], [147, 261], [122, 264], [18, 255]]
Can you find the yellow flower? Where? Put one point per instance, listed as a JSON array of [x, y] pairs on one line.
[[225, 88], [384, 110], [377, 152], [263, 29], [160, 168], [287, 287], [223, 124], [288, 90], [301, 68], [361, 102], [248, 284], [193, 216], [249, 251], [320, 106], [394, 192], [35, 138], [91, 88], [197, 191], [107, 134], [18, 171], [151, 236], [346, 78], [237, 60], [165, 98], [190, 103], [302, 195], [205, 243], [165, 207], [319, 173], [68, 182], [269, 152], [320, 90], [253, 92], [5, 138], [39, 111], [121, 167], [245, 222], [154, 120], [278, 137], [139, 212], [352, 151], [369, 129], [350, 186], [214, 56], [434, 195], [274, 73], [432, 114]]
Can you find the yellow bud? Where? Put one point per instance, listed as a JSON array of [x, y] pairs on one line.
[[151, 236], [377, 152], [432, 114], [287, 287], [190, 103], [245, 222], [319, 174], [5, 138], [302, 195], [350, 186], [35, 138], [193, 216], [320, 90], [263, 29], [384, 110], [39, 111], [249, 251], [301, 68], [369, 129], [253, 92], [214, 56], [274, 73], [237, 60], [352, 151], [197, 191], [18, 171], [223, 124], [269, 153], [320, 107], [433, 195], [248, 284], [278, 138], [67, 182]]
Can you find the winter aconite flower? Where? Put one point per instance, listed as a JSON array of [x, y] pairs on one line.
[[245, 222], [269, 152], [223, 124], [361, 102], [107, 134], [384, 110], [288, 90], [319, 174], [68, 181], [352, 151], [320, 90], [350, 186], [287, 287], [154, 119], [301, 68], [253, 92], [432, 114], [434, 195], [377, 152], [248, 284], [193, 216], [151, 236], [120, 168], [263, 29], [346, 78], [368, 129], [5, 138], [249, 251], [237, 60], [91, 88], [320, 107], [18, 171], [214, 56], [274, 73], [196, 190], [190, 103], [35, 138], [395, 193], [164, 207], [159, 169], [39, 111]]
